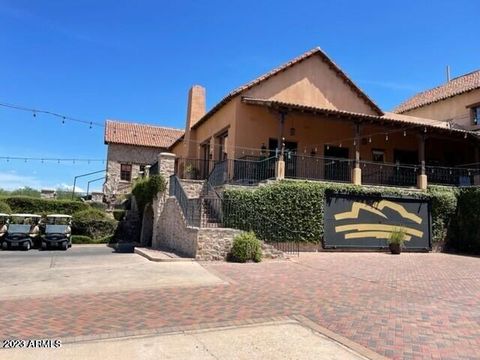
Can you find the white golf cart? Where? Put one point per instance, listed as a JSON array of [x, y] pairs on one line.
[[23, 232], [4, 221], [58, 232]]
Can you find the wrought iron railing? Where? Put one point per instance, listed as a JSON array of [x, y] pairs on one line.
[[318, 168], [374, 173], [191, 208], [453, 176]]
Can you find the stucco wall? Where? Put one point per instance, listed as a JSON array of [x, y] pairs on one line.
[[312, 82], [454, 108]]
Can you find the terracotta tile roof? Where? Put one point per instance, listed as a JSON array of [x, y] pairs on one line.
[[387, 117], [306, 55], [454, 87], [128, 133]]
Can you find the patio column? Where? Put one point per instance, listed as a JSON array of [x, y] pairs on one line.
[[280, 163], [357, 170], [422, 182]]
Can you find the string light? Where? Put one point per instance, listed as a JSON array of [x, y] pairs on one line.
[[386, 137], [44, 159], [404, 133]]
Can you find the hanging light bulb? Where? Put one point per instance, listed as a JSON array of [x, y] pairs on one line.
[[328, 147], [340, 144], [404, 133], [386, 137], [465, 136], [370, 139], [425, 129], [354, 142]]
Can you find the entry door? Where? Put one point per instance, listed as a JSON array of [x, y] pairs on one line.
[[336, 170], [205, 161]]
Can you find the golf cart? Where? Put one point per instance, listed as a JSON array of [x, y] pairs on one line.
[[58, 232], [23, 231], [4, 220]]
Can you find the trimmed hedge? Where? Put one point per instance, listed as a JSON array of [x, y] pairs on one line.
[[464, 234], [145, 190], [93, 223], [5, 208], [299, 205], [24, 204], [81, 239]]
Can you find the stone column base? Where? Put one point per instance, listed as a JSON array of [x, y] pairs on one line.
[[476, 180], [357, 176], [280, 170], [422, 182]]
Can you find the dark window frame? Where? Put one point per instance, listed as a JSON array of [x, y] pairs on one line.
[[126, 175]]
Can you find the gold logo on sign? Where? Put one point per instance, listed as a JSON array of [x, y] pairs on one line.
[[379, 231]]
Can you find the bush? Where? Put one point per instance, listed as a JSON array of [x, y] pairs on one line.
[[81, 239], [246, 247], [24, 204], [4, 208], [145, 190], [93, 223], [98, 205], [118, 214], [299, 206], [463, 234]]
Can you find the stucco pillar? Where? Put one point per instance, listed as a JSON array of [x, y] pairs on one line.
[[422, 181], [357, 171], [280, 169]]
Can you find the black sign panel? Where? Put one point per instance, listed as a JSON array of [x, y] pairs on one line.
[[353, 221]]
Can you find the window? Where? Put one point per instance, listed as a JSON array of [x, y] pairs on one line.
[[126, 172], [476, 115], [378, 156]]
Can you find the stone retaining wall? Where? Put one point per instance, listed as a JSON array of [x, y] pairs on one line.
[[193, 188]]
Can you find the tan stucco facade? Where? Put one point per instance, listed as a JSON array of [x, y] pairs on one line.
[[455, 109]]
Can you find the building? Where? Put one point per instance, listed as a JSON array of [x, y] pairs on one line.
[[328, 129], [457, 102], [131, 148]]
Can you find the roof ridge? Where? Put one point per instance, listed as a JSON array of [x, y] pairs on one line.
[[142, 124], [467, 74]]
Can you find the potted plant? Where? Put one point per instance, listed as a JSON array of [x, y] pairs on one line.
[[396, 241]]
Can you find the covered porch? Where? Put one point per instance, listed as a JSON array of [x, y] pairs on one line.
[[276, 140]]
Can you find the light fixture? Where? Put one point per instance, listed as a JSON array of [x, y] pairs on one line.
[[404, 133], [386, 137], [370, 139]]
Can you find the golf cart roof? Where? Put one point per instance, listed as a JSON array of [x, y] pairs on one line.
[[26, 215], [58, 216], [3, 214]]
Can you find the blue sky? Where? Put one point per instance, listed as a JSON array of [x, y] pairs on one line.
[[135, 60]]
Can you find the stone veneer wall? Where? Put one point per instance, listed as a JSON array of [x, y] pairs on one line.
[[193, 188]]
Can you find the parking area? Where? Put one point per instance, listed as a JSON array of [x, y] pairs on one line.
[[87, 269], [404, 307]]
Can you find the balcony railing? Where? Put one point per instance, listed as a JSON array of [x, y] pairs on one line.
[[453, 176], [318, 168], [374, 173]]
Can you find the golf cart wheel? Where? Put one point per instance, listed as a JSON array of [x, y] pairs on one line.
[[44, 245], [26, 246], [65, 245], [4, 245]]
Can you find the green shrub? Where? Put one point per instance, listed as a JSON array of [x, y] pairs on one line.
[[4, 208], [93, 223], [246, 247], [81, 239], [98, 205], [464, 234], [273, 211], [23, 204], [118, 214], [89, 214], [145, 190]]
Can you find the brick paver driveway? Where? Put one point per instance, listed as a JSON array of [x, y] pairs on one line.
[[407, 306]]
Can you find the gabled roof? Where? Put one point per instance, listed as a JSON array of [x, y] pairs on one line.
[[314, 52], [128, 133], [456, 86]]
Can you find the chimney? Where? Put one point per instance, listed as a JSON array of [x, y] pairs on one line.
[[196, 107]]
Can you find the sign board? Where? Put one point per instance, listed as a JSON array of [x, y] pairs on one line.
[[364, 221]]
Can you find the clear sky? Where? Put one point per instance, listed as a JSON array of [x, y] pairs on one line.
[[135, 60]]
